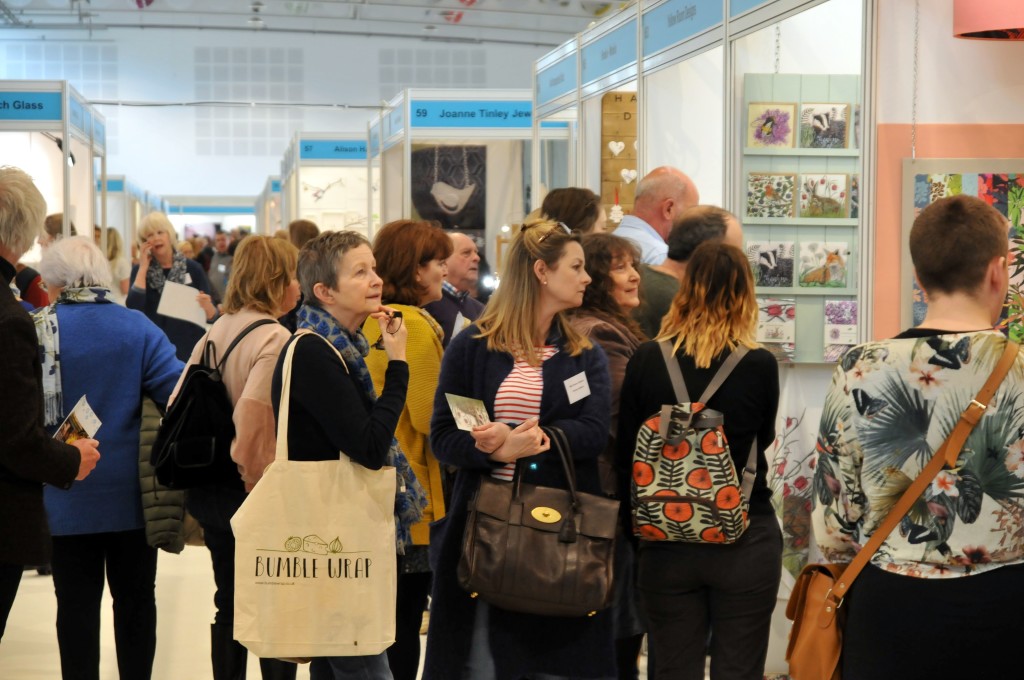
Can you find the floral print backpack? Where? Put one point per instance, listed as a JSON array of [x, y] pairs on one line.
[[685, 487]]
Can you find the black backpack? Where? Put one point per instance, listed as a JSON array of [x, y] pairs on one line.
[[193, 445]]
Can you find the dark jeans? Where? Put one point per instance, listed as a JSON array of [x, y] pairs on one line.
[[905, 628], [688, 589], [79, 563], [10, 579], [404, 655]]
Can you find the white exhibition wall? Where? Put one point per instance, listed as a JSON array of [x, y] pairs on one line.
[[231, 150], [972, 81]]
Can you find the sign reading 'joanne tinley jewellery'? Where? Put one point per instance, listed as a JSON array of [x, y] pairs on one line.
[[471, 114]]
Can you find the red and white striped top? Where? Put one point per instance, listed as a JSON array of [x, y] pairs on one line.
[[518, 399]]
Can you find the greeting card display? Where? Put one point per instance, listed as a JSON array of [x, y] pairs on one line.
[[776, 326], [823, 196], [840, 328], [771, 263], [823, 264], [824, 126], [771, 125], [771, 195]]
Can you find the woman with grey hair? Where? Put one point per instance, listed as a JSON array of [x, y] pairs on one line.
[[98, 525], [160, 262], [28, 456]]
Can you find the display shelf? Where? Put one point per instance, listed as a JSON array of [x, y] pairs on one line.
[[816, 291], [802, 221], [829, 153]]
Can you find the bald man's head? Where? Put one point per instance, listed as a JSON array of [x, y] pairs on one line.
[[662, 196]]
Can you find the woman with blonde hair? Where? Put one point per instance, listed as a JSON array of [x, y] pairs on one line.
[[687, 589], [120, 267], [263, 287], [517, 359], [160, 262]]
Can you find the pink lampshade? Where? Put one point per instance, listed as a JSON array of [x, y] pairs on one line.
[[988, 19]]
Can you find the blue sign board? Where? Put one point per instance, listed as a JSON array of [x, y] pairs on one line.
[[374, 140], [472, 114], [554, 124], [332, 149], [30, 106], [275, 186], [76, 115], [677, 20], [112, 185], [213, 209], [99, 133], [396, 121], [557, 79], [609, 53], [737, 7]]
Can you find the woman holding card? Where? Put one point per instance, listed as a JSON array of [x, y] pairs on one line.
[[159, 262], [94, 348], [411, 262], [531, 370]]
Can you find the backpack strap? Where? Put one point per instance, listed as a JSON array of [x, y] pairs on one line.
[[245, 331], [675, 374]]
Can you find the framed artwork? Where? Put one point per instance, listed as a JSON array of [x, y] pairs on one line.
[[771, 263], [776, 326], [823, 265], [823, 196], [840, 328], [824, 126], [1000, 183], [449, 185], [771, 194], [771, 125]]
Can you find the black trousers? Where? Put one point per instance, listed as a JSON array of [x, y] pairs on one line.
[[687, 589], [404, 655], [10, 579], [906, 628], [79, 563]]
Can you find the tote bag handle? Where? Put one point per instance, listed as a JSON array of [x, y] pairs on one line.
[[281, 450]]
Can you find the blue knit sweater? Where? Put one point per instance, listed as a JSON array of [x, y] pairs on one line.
[[113, 356]]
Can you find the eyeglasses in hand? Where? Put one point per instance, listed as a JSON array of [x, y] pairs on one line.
[[394, 323]]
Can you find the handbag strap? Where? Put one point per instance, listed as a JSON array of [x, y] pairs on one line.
[[281, 448], [946, 455]]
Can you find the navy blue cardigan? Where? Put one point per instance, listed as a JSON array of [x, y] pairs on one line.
[[182, 334], [521, 644]]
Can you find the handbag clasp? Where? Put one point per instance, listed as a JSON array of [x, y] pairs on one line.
[[831, 601]]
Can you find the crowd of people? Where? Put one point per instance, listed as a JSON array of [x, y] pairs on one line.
[[589, 335]]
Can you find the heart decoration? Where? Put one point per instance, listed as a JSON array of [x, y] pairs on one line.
[[628, 175], [616, 147], [636, 146]]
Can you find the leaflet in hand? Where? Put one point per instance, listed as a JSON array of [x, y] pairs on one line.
[[81, 423], [468, 413], [179, 301]]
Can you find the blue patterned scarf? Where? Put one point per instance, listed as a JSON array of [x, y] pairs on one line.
[[410, 498], [47, 332]]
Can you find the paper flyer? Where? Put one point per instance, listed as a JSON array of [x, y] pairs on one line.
[[179, 301], [81, 423], [469, 413]]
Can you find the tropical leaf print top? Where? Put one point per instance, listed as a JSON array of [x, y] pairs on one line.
[[890, 406]]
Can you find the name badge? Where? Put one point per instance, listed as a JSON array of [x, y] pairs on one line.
[[577, 387], [222, 268], [188, 279], [460, 323]]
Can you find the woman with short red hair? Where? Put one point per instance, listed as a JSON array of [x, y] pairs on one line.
[[411, 258]]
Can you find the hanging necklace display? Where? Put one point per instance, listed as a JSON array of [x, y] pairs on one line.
[[448, 198]]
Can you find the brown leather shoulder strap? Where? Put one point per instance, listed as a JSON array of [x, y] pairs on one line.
[[947, 453]]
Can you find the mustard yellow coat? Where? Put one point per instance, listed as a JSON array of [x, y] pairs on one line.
[[423, 352]]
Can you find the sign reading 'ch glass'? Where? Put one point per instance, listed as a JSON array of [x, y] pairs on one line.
[[471, 114], [30, 106]]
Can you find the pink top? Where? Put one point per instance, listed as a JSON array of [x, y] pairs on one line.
[[518, 399]]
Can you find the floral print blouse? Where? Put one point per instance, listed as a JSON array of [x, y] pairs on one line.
[[890, 406]]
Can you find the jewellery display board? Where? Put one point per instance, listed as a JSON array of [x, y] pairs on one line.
[[324, 180], [51, 132], [456, 158], [801, 208]]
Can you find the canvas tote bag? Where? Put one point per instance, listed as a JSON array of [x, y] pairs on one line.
[[315, 565]]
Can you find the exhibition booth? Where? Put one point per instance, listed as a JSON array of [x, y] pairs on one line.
[[460, 158], [268, 208], [324, 180], [50, 131]]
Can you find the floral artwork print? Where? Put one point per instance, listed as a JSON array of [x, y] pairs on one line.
[[840, 327], [770, 125], [771, 195], [789, 477], [776, 326], [890, 406], [823, 196]]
